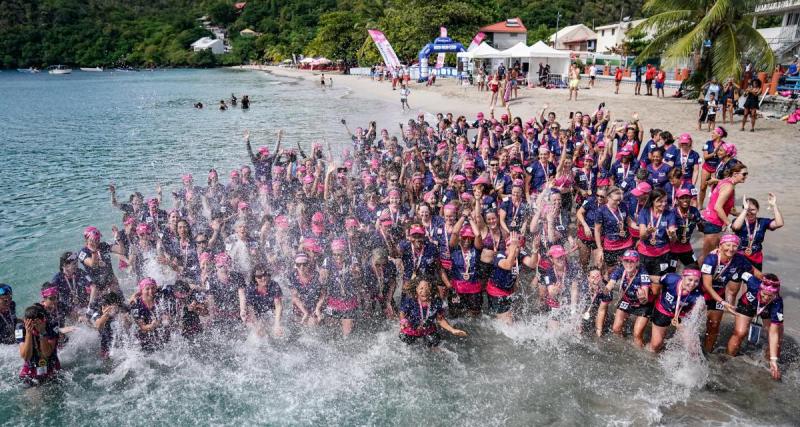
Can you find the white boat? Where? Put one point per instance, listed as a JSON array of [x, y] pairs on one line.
[[30, 70], [92, 69], [59, 69]]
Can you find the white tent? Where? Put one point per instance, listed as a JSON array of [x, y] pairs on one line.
[[559, 60], [519, 50], [484, 51], [307, 60]]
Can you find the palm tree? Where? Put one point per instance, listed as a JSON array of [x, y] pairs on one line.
[[682, 27]]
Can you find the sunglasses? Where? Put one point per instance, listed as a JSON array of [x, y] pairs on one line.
[[494, 165], [744, 173]]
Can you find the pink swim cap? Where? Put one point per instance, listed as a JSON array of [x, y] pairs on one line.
[[338, 245], [556, 251], [205, 257], [49, 292], [142, 229], [91, 232], [466, 231], [416, 230], [685, 138], [222, 259], [147, 281], [729, 238], [187, 178]]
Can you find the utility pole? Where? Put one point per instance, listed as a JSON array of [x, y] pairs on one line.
[[558, 20]]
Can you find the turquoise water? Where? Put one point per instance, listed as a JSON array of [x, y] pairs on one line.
[[65, 138]]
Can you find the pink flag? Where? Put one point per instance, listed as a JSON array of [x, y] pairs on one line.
[[440, 57], [385, 48], [476, 41]]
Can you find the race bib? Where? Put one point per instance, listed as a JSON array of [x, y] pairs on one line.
[[663, 266], [750, 297], [720, 306], [706, 269], [623, 305], [746, 276]]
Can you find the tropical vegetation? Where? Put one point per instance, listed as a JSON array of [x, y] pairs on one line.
[[717, 34]]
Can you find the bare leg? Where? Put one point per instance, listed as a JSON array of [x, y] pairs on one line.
[[741, 324], [639, 326], [712, 330]]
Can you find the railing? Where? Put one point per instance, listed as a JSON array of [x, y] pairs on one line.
[[778, 5]]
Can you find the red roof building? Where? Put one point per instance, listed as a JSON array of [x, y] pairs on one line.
[[511, 25], [506, 34]]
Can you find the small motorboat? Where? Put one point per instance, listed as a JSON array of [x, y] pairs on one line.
[[30, 70], [92, 69], [59, 69]]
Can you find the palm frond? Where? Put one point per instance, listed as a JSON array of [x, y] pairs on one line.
[[754, 47], [718, 12], [726, 54], [690, 42], [666, 20], [659, 43], [652, 7]]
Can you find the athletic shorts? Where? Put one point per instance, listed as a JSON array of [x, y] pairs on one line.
[[472, 302], [655, 266], [709, 228], [639, 310], [712, 305], [430, 340], [483, 270], [685, 258], [750, 311], [660, 319], [613, 257], [659, 85], [648, 81], [500, 305], [340, 314]]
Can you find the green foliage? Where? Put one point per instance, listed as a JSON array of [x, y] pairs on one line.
[[682, 27], [159, 32]]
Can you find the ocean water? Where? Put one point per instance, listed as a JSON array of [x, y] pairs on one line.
[[64, 138]]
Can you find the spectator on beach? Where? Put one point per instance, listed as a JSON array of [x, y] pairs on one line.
[[638, 86], [404, 92], [711, 87], [661, 77], [592, 75], [649, 75], [617, 79]]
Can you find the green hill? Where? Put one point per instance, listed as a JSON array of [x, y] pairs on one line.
[[159, 32]]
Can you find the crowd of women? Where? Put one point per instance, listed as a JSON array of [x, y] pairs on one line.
[[453, 217]]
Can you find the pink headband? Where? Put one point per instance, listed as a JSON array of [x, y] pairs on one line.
[[147, 281], [770, 286], [49, 292], [691, 272], [729, 238]]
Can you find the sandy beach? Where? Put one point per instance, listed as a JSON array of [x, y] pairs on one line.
[[768, 152]]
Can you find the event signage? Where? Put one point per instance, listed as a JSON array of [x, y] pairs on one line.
[[385, 48]]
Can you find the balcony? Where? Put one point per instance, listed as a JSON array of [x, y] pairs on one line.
[[777, 7]]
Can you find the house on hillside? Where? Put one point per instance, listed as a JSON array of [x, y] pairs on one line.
[[785, 39], [249, 33], [506, 34], [216, 46], [579, 38]]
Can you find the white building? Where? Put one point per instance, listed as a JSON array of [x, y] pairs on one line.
[[784, 40], [216, 46], [506, 34], [612, 35], [574, 37]]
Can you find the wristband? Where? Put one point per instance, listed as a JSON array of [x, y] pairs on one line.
[[773, 359]]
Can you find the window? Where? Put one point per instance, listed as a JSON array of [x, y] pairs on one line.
[[602, 33], [792, 19], [613, 30], [513, 34]]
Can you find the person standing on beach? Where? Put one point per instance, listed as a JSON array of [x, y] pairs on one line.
[[574, 81], [494, 87], [592, 75], [638, 86], [404, 92], [617, 79], [649, 75]]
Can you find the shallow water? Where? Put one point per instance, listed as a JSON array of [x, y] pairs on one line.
[[65, 138]]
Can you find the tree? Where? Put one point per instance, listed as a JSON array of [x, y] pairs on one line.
[[339, 35], [682, 28]]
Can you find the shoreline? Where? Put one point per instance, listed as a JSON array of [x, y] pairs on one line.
[[765, 151]]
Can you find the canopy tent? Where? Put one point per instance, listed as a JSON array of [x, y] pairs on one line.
[[482, 49], [519, 50], [321, 61], [307, 60], [559, 60]]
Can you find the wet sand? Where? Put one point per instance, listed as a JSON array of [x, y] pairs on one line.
[[768, 152]]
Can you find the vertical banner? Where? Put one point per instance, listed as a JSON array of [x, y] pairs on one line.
[[385, 48], [440, 57], [476, 41]]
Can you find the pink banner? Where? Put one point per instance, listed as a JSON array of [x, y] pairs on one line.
[[385, 48], [476, 41], [440, 57]]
